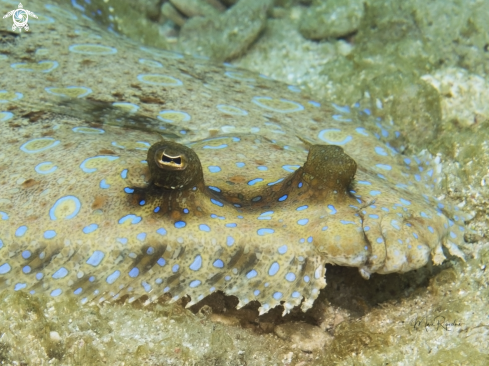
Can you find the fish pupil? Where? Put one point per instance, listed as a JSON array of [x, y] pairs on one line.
[[177, 160]]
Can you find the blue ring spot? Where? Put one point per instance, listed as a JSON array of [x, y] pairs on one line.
[[5, 268], [274, 268], [56, 292], [282, 249], [60, 273], [214, 169], [302, 208], [196, 264], [277, 295], [184, 116], [26, 269], [216, 202], [5, 116], [112, 277], [290, 277], [361, 131], [168, 80], [87, 160], [290, 168], [180, 224], [204, 227], [161, 231], [254, 181], [76, 201], [323, 136], [265, 231], [229, 241], [132, 218], [406, 202], [90, 228], [147, 286], [175, 268], [303, 221], [49, 234], [251, 274], [218, 263], [273, 183], [141, 236], [26, 254], [384, 166], [42, 168], [96, 258], [283, 198], [161, 262], [231, 225], [194, 283], [104, 184], [21, 230], [379, 150], [222, 146], [296, 106], [134, 272]]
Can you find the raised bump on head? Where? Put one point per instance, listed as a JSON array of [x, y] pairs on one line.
[[329, 168], [174, 166]]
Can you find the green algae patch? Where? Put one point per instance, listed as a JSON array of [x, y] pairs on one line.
[[227, 35], [460, 355], [411, 104], [134, 19], [352, 338], [331, 19]]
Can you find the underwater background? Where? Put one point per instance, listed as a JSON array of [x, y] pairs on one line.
[[420, 67]]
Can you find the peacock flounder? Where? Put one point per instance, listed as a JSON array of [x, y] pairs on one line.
[[251, 191]]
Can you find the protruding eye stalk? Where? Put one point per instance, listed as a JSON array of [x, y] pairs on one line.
[[329, 169], [174, 166]]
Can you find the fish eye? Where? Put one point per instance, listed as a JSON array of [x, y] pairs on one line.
[[174, 166], [167, 160]]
